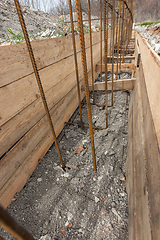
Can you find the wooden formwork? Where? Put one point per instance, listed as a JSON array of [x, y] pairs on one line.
[[25, 134], [143, 155]]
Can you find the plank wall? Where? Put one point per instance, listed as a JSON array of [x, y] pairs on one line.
[[25, 135], [143, 154]]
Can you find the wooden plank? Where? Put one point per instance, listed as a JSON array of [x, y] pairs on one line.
[[18, 95], [126, 58], [152, 168], [15, 157], [20, 176], [15, 62], [143, 166], [124, 67], [151, 66], [126, 84], [14, 129]]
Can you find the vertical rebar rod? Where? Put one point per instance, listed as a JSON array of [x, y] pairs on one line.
[[91, 50], [9, 224], [113, 29], [84, 64], [75, 60], [37, 77], [121, 38], [125, 33], [101, 38], [119, 25], [105, 56]]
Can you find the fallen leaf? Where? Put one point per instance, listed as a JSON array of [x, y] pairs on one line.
[[64, 231], [106, 230], [70, 225], [79, 149]]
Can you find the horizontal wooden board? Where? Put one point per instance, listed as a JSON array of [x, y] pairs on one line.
[[21, 174], [151, 66], [18, 95], [126, 84], [124, 67], [15, 62], [14, 129]]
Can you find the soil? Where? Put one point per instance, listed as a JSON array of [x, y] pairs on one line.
[[40, 25], [152, 35], [80, 203]]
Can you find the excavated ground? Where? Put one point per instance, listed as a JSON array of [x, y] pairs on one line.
[[80, 203]]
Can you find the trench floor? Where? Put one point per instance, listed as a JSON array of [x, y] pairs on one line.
[[80, 203]]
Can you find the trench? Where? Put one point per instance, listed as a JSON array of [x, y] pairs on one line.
[[80, 203]]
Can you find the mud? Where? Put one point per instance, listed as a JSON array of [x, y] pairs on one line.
[[80, 203]]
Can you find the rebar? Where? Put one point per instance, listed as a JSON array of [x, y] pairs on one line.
[[105, 57], [91, 51], [9, 224], [84, 64], [101, 38], [75, 60], [21, 19]]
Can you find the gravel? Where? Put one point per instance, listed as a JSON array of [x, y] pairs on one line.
[[80, 203]]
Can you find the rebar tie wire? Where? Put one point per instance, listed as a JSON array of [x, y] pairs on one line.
[[22, 22]]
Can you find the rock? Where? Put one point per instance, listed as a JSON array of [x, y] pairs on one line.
[[69, 216], [66, 175], [157, 47], [115, 213], [46, 237], [58, 168], [96, 199], [39, 179]]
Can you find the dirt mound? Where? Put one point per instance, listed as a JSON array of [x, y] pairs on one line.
[[40, 25]]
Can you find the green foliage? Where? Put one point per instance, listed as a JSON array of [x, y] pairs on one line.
[[146, 23], [156, 22], [17, 38]]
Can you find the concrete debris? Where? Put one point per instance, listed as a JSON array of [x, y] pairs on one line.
[[46, 237], [79, 203], [39, 179], [96, 199]]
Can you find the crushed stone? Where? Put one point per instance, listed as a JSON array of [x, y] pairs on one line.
[[80, 203]]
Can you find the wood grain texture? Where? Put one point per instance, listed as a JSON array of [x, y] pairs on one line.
[[127, 84], [124, 67], [15, 62], [143, 153], [25, 132]]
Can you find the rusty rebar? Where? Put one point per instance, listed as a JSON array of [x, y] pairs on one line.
[[105, 12], [113, 32], [101, 38], [37, 77], [84, 64], [75, 60], [9, 224], [119, 26], [91, 50]]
